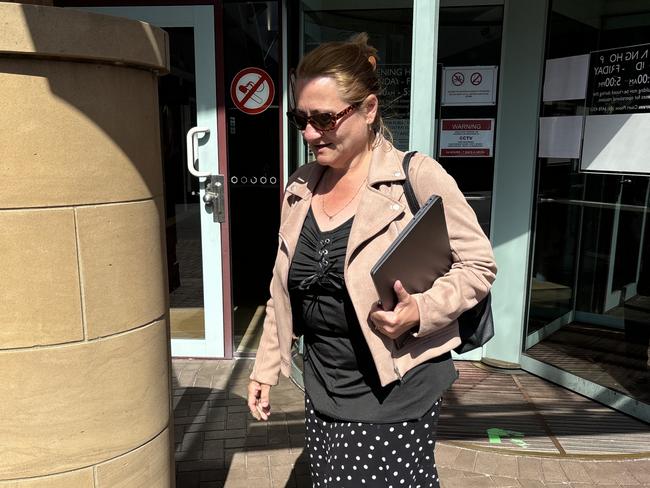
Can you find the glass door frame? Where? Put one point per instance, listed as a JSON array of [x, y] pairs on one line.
[[202, 19]]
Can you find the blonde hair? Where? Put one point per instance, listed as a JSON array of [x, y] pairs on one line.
[[352, 64]]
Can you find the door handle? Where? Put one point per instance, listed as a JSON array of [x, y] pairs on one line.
[[213, 196], [192, 143]]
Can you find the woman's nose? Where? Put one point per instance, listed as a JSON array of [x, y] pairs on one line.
[[310, 134]]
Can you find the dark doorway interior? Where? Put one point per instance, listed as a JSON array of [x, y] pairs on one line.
[[252, 39]]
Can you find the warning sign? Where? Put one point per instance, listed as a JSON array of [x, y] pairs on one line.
[[469, 85], [466, 138], [252, 90]]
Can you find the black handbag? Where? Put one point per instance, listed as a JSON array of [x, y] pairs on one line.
[[476, 325]]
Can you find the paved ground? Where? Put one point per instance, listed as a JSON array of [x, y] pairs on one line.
[[497, 430]]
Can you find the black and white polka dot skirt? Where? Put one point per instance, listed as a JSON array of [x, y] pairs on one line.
[[353, 454]]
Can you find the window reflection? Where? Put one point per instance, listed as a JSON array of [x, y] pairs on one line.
[[589, 310]]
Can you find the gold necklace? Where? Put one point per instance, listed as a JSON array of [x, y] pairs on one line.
[[331, 216]]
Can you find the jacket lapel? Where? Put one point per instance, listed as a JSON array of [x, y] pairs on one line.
[[300, 193], [379, 204]]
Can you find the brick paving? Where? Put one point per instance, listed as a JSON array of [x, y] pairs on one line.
[[218, 444]]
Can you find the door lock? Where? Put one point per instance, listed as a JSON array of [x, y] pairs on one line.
[[214, 197]]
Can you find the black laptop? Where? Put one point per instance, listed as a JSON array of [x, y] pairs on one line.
[[418, 256]]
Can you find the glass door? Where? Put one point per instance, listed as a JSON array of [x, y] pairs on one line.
[[187, 99], [589, 291]]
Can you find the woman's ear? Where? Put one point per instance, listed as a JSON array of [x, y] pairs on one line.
[[371, 104]]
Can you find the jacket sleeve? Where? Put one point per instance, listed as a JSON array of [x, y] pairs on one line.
[[267, 360], [473, 269]]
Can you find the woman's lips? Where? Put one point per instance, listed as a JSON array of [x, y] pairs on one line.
[[316, 147]]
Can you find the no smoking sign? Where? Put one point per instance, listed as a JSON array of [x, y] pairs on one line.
[[252, 90], [469, 85]]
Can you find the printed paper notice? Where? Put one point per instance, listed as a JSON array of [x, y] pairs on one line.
[[566, 78], [560, 137], [617, 143], [466, 138]]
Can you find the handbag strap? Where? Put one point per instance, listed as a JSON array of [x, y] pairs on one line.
[[408, 189]]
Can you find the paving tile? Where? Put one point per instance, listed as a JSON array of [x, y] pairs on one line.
[[185, 420], [640, 470], [465, 460], [217, 413], [191, 441], [604, 473], [486, 463], [188, 480], [449, 473], [471, 482], [244, 483], [505, 482], [284, 458], [252, 441], [200, 465], [188, 455], [260, 472], [507, 466], [529, 468], [530, 483], [224, 434], [213, 475], [445, 454], [552, 471], [575, 471], [236, 421], [213, 449]]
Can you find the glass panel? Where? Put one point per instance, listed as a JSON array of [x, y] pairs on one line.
[[589, 308], [177, 99], [253, 40], [470, 36], [390, 31]]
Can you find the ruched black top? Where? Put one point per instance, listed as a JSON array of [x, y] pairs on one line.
[[339, 373]]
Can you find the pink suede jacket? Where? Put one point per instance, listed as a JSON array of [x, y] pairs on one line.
[[382, 213]]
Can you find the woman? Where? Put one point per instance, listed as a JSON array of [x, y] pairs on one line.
[[371, 407]]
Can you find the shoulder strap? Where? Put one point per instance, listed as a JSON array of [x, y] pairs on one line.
[[408, 189]]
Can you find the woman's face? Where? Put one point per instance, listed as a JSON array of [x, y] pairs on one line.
[[349, 139]]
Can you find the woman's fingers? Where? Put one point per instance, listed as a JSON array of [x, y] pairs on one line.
[[259, 402], [254, 392], [264, 405], [405, 315]]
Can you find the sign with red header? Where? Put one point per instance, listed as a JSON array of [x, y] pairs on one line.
[[252, 90], [466, 138]]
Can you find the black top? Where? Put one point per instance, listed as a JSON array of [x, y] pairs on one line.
[[339, 373]]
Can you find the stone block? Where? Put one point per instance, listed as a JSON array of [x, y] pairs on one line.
[[39, 284], [121, 257], [80, 147], [72, 406], [145, 467]]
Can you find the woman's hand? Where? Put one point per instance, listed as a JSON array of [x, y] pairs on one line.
[[258, 400], [405, 315]]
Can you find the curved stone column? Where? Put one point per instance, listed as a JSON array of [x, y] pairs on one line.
[[84, 341]]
